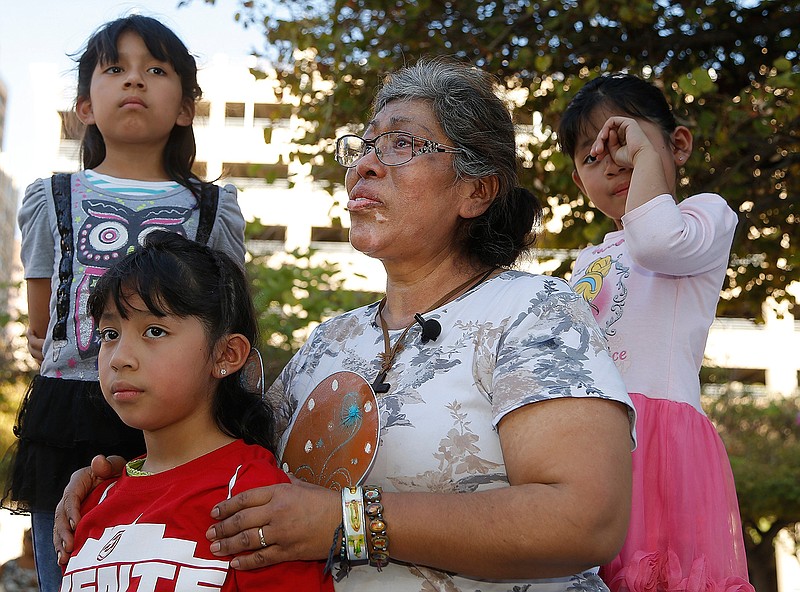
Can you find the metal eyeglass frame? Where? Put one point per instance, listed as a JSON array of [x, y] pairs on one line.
[[428, 147]]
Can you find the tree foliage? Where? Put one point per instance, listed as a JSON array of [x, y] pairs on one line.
[[17, 369], [763, 443], [730, 69], [291, 295]]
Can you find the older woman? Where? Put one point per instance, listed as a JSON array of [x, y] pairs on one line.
[[504, 456]]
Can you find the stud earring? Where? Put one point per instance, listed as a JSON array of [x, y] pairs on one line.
[[223, 371]]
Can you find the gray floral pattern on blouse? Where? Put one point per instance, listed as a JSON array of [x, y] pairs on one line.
[[513, 341]]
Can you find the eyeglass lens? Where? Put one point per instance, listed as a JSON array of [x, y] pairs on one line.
[[392, 148]]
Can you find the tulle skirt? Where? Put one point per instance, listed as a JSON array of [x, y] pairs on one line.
[[685, 533], [61, 425]]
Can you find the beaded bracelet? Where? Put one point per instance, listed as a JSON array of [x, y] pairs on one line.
[[373, 508], [354, 524]]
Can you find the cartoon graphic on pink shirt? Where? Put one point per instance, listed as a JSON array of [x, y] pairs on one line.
[[605, 295]]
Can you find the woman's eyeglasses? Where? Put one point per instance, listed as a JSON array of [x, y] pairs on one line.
[[391, 148]]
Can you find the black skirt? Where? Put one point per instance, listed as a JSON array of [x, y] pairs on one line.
[[61, 425]]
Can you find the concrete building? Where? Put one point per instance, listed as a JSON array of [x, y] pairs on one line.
[[244, 134], [757, 358], [8, 212], [3, 103], [8, 216]]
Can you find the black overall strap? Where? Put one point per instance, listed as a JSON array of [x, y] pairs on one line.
[[62, 198], [209, 201]]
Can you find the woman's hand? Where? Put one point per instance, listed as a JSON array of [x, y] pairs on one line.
[[569, 467], [68, 510], [297, 520]]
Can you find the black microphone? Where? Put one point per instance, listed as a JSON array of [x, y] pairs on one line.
[[431, 329]]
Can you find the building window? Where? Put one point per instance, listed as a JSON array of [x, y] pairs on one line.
[[200, 169], [71, 126], [717, 381], [234, 114], [332, 239], [265, 240], [267, 113], [269, 233], [329, 234], [249, 170], [202, 110]]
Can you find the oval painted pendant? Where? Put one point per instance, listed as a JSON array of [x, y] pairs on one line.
[[334, 438]]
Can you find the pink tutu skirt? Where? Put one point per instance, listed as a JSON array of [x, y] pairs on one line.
[[685, 534]]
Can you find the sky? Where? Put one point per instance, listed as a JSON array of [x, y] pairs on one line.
[[48, 31]]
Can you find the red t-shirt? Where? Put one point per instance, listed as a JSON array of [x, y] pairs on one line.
[[147, 534]]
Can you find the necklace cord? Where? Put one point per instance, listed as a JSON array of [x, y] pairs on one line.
[[389, 352]]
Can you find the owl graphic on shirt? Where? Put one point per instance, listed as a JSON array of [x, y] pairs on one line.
[[111, 231]]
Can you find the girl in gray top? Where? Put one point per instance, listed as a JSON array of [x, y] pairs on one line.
[[137, 89]]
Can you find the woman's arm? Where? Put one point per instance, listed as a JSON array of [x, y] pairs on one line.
[[68, 510], [567, 508]]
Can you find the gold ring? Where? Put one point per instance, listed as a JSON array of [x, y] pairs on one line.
[[261, 536]]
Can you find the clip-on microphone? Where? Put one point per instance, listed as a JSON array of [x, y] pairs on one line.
[[431, 329]]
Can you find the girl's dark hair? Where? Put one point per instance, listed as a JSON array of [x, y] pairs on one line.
[[619, 93], [175, 276], [471, 114], [164, 45]]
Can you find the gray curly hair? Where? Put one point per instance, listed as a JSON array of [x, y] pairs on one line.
[[472, 115]]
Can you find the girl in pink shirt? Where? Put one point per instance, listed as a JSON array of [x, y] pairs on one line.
[[653, 284]]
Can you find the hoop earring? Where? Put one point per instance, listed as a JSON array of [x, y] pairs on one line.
[[251, 376]]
